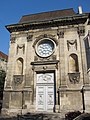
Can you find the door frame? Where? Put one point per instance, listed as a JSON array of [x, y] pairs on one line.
[[50, 71]]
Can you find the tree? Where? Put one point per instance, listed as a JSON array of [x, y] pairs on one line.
[[2, 80]]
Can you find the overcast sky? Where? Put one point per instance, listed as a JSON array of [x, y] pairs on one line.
[[12, 10]]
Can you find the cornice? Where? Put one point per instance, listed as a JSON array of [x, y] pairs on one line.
[[76, 19], [44, 62]]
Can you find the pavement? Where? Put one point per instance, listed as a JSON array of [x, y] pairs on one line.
[[34, 116]]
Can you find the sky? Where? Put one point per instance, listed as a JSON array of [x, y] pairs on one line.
[[12, 10]]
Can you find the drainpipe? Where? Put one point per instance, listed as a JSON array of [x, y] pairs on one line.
[[83, 100], [22, 103], [58, 100]]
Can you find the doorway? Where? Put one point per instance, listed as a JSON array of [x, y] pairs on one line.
[[45, 92]]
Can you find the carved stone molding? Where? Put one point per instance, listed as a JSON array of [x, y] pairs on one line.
[[74, 77], [49, 36], [13, 39], [21, 48], [45, 62], [72, 44], [29, 38], [45, 36], [53, 57], [81, 31], [35, 58], [18, 79], [60, 33]]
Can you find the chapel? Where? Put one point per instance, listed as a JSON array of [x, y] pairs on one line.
[[49, 63]]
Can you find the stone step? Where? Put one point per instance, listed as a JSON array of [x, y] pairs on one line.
[[40, 116], [34, 116], [7, 118]]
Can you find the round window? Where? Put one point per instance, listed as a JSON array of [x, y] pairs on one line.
[[45, 47]]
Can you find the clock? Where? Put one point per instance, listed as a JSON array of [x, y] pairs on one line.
[[45, 47]]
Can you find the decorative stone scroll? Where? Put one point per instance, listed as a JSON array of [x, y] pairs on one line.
[[72, 44], [12, 39], [81, 30], [60, 33], [45, 36], [29, 38], [21, 48], [45, 78], [74, 77], [18, 79], [50, 36]]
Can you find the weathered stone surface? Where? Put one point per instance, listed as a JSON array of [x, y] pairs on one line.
[[68, 62]]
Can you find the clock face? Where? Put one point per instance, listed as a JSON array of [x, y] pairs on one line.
[[45, 48]]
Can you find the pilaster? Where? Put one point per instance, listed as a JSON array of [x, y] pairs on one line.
[[60, 34], [81, 33]]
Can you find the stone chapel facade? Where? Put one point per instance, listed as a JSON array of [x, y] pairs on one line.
[[49, 63]]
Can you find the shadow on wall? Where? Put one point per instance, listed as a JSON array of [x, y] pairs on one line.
[[87, 48]]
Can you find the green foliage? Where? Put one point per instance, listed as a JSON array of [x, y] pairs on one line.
[[2, 80]]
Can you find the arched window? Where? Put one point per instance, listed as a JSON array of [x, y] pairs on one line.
[[73, 63], [19, 66]]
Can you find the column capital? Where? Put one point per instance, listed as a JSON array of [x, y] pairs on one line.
[[60, 33], [81, 30]]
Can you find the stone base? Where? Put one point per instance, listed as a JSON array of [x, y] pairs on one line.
[[57, 107], [87, 98], [10, 112], [16, 111]]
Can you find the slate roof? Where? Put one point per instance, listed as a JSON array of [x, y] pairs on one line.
[[47, 15]]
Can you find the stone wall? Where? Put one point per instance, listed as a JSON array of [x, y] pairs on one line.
[[68, 62]]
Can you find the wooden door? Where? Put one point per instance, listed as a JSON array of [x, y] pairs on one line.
[[45, 92]]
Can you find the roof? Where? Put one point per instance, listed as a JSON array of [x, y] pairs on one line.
[[54, 18], [4, 56], [47, 15]]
